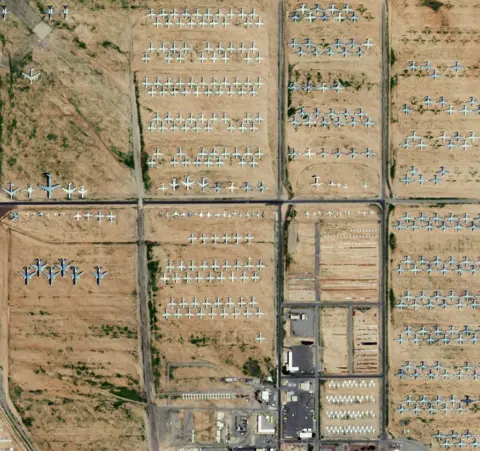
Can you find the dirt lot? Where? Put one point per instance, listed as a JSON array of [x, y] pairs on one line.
[[223, 165], [353, 403], [349, 340], [442, 38], [78, 111], [413, 244], [326, 152], [334, 340], [230, 332], [71, 352], [347, 257]]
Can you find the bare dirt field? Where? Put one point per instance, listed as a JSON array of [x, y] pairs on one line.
[[208, 96], [328, 160], [349, 340], [434, 95], [434, 320], [350, 408], [213, 303], [71, 351], [332, 253], [74, 120], [334, 340]]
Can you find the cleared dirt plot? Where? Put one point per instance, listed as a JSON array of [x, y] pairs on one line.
[[334, 341], [434, 294], [332, 253], [350, 408], [74, 119], [434, 92], [366, 340], [212, 304], [333, 107], [70, 344], [207, 83]]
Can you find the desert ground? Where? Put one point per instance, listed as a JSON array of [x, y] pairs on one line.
[[74, 121], [212, 304], [350, 403], [349, 340], [441, 112], [226, 71], [71, 352], [332, 253], [333, 162], [434, 303]]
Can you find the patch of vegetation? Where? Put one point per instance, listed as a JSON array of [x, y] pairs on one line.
[[27, 421], [288, 184], [344, 83], [392, 170], [153, 267], [392, 241], [64, 26], [199, 341], [33, 133], [393, 58], [127, 158], [115, 331], [391, 298], [291, 111], [156, 365], [393, 81], [434, 4], [3, 40], [111, 45], [52, 137], [80, 44], [252, 368], [147, 181], [128, 393], [65, 144], [11, 161]]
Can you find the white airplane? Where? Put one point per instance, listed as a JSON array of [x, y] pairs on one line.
[[99, 275], [10, 191], [316, 183], [456, 67], [69, 190], [30, 75]]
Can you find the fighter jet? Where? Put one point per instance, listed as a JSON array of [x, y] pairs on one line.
[[76, 274], [38, 266], [27, 275], [99, 274], [51, 274], [63, 266]]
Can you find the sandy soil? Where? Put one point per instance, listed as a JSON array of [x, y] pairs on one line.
[[265, 103], [349, 177], [334, 340], [419, 34], [72, 350], [78, 111], [197, 352], [429, 244], [348, 257]]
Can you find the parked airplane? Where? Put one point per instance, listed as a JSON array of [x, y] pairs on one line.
[[99, 274], [51, 274], [10, 191], [69, 190], [27, 275], [63, 266], [49, 188], [30, 75], [76, 274]]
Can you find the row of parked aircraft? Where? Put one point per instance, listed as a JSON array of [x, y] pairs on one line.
[[337, 153], [188, 183], [52, 272], [49, 188]]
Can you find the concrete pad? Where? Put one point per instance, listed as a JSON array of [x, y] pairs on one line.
[[42, 30]]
